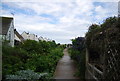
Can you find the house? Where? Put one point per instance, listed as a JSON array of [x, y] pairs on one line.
[[7, 29], [36, 38], [28, 36], [18, 38], [41, 38], [44, 39], [25, 35]]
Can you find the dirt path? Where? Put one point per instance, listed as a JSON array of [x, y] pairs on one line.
[[65, 68]]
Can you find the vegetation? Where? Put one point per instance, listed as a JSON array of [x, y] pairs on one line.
[[26, 75], [103, 44], [97, 40], [100, 37], [77, 52], [39, 59], [31, 57]]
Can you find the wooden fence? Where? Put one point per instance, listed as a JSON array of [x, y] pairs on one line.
[[91, 71], [111, 66], [112, 60]]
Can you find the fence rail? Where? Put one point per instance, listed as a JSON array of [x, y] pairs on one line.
[[93, 72]]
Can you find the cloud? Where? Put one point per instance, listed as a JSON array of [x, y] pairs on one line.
[[58, 20], [57, 0]]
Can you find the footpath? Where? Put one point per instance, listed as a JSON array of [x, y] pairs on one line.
[[66, 68]]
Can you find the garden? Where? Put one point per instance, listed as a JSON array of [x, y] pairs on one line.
[[30, 60]]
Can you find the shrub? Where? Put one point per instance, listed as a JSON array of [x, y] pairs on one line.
[[96, 41], [39, 56], [13, 59], [77, 52], [26, 75]]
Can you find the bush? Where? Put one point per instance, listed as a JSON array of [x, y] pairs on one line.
[[13, 59], [26, 75], [96, 41], [104, 44], [45, 63], [77, 52], [39, 57]]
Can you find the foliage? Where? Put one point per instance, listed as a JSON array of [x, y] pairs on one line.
[[109, 22], [41, 47], [39, 57], [78, 43], [77, 53], [97, 40], [12, 58], [40, 63], [93, 28], [104, 47], [26, 75]]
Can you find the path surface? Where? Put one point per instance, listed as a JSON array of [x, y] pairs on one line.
[[65, 68]]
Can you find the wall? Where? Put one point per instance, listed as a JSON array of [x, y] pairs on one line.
[[31, 36], [10, 34], [25, 35]]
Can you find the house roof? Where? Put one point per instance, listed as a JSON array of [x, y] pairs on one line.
[[25, 33], [18, 35], [6, 21]]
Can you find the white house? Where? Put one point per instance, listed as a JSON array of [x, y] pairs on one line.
[[41, 38], [31, 36], [7, 29], [44, 39], [28, 36], [25, 35], [36, 38]]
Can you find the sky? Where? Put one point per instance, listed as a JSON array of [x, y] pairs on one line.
[[59, 20]]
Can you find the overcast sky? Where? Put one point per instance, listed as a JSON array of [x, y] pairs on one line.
[[60, 20]]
